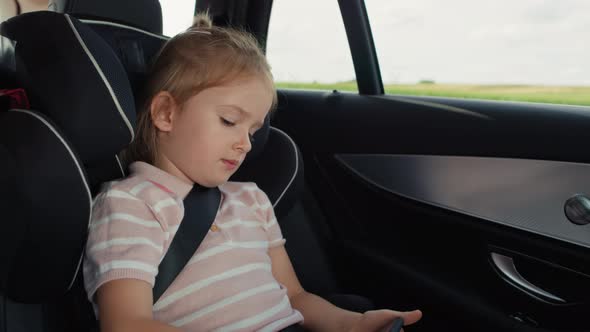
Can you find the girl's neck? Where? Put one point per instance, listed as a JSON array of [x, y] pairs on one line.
[[163, 163]]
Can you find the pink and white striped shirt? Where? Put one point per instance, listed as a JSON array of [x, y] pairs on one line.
[[226, 286]]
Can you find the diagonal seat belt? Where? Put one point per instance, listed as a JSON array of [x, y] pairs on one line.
[[200, 209]]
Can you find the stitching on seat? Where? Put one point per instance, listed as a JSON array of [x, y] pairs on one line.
[[77, 269], [117, 25], [82, 176], [120, 165], [104, 79], [296, 164]]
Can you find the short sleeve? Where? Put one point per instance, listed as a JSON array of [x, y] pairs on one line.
[[125, 241], [273, 230]]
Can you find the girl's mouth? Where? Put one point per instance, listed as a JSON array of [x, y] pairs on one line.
[[230, 164]]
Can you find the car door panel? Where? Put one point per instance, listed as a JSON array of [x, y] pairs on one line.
[[520, 193], [419, 193]]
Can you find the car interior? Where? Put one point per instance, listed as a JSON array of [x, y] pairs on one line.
[[473, 211]]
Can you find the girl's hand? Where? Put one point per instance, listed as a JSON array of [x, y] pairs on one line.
[[382, 320]]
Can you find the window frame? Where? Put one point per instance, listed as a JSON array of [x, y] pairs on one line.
[[362, 47], [254, 17]]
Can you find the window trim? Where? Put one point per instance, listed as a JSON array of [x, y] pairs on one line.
[[362, 47]]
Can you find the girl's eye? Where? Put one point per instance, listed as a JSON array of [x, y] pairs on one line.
[[227, 122]]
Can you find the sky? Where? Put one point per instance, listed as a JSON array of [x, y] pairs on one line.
[[453, 41]]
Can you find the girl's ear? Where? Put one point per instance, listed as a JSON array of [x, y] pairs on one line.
[[163, 110]]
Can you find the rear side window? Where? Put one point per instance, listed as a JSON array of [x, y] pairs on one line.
[[177, 15], [307, 46], [10, 8], [523, 50]]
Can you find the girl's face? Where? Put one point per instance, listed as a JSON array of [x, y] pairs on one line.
[[206, 139]]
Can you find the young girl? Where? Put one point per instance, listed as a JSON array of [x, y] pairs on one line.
[[208, 91]]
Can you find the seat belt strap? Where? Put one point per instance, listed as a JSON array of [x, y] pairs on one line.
[[200, 209]]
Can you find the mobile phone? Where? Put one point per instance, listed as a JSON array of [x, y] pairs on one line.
[[398, 323]]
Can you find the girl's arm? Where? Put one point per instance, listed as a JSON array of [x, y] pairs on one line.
[[126, 305], [318, 314], [321, 315]]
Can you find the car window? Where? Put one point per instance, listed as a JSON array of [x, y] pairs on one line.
[[307, 46], [525, 50], [177, 15], [9, 8]]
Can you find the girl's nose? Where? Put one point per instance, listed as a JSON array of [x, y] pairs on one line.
[[244, 143]]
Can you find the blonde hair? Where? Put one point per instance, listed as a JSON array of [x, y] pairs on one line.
[[202, 57]]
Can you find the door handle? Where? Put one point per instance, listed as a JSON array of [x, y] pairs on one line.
[[506, 266]]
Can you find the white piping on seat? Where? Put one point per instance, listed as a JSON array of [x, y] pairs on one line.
[[104, 79], [117, 25], [120, 165], [296, 164], [80, 171]]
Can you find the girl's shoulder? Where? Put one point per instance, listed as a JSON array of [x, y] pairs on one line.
[[245, 192], [139, 188], [233, 187], [125, 184], [141, 198]]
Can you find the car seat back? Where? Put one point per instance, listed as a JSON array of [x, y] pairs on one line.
[[53, 158]]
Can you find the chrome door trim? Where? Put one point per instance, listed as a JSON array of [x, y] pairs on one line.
[[508, 270]]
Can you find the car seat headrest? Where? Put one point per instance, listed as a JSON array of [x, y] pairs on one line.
[[45, 200], [143, 14], [137, 48], [277, 170], [259, 140], [75, 78]]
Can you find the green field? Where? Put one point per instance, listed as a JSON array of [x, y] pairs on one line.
[[573, 95]]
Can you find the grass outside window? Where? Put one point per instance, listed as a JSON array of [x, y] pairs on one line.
[[572, 95]]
